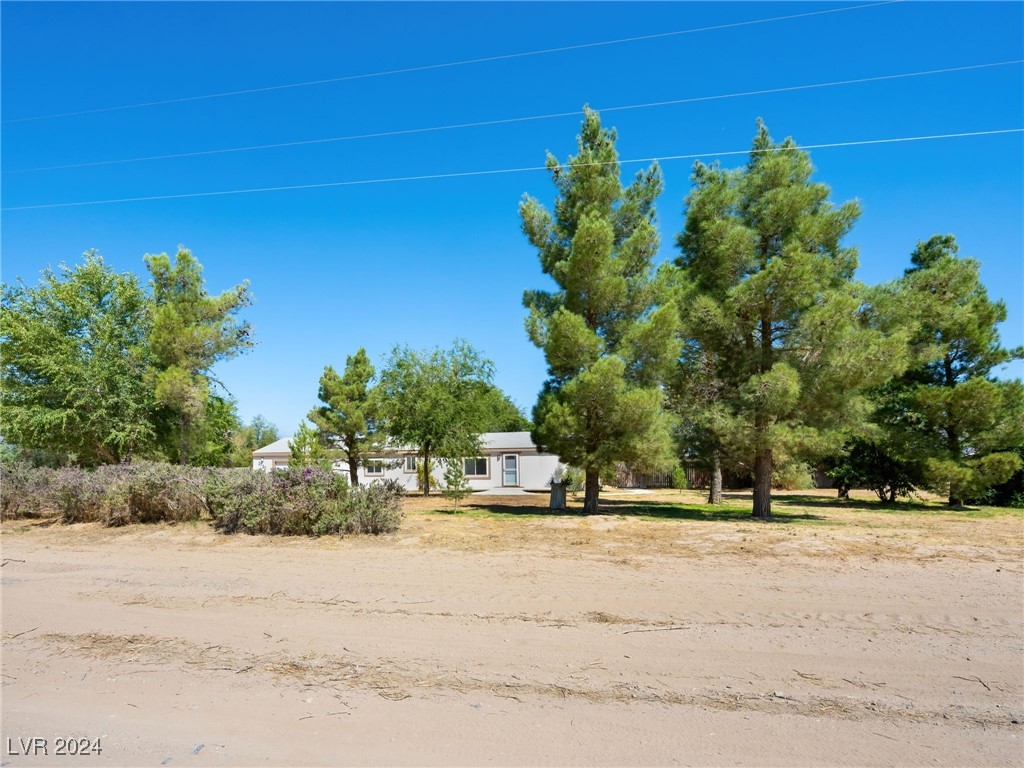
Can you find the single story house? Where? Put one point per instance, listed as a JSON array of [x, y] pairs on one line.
[[506, 460]]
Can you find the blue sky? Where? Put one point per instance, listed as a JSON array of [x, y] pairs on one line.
[[423, 262]]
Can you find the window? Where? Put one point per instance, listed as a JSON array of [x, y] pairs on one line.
[[476, 467], [375, 466], [410, 463]]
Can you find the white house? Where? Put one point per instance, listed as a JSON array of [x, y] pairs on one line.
[[506, 460]]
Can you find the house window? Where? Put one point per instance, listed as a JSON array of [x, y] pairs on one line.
[[374, 467], [410, 463], [476, 467]]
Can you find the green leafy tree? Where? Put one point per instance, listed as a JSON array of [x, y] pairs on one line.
[[796, 349], [432, 400], [74, 351], [347, 420], [456, 487], [608, 332], [866, 464], [501, 414], [219, 434], [307, 449], [191, 332], [256, 434], [965, 424]]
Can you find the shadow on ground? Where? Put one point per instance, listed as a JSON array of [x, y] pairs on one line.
[[632, 508]]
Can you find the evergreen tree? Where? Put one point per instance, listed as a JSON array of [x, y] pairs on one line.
[[787, 327], [963, 423], [74, 351], [456, 487], [347, 420], [307, 450], [191, 331], [607, 332]]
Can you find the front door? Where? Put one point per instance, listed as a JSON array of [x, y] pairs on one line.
[[510, 467]]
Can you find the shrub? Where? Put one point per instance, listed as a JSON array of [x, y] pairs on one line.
[[793, 476], [376, 508], [25, 491], [81, 496], [571, 476], [150, 492], [679, 481], [306, 501]]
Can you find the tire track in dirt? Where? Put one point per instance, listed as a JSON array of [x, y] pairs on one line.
[[392, 679]]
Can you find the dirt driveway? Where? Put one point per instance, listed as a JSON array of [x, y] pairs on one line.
[[520, 639]]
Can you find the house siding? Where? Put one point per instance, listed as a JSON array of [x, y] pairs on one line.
[[535, 468]]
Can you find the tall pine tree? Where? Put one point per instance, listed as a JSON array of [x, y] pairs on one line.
[[772, 290], [347, 420], [607, 333], [191, 331], [964, 424]]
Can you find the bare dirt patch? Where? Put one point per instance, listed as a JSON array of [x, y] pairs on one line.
[[660, 631]]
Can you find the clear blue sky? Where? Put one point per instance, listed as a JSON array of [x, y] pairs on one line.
[[423, 262]]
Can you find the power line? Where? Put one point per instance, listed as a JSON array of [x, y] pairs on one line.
[[463, 174], [449, 64], [509, 120]]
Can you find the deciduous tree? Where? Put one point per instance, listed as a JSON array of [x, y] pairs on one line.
[[75, 355], [432, 400]]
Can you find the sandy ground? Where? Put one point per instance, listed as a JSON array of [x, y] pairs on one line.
[[846, 639]]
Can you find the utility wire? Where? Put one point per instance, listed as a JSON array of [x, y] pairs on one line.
[[463, 174], [506, 121], [445, 65]]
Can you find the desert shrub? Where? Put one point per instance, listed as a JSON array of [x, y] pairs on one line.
[[238, 499], [375, 508], [300, 501], [83, 496], [151, 492], [25, 490], [679, 481]]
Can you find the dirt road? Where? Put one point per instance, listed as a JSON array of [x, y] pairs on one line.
[[178, 646]]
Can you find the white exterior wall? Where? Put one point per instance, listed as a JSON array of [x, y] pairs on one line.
[[535, 469]]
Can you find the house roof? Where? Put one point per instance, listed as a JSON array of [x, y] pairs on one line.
[[276, 447], [489, 441]]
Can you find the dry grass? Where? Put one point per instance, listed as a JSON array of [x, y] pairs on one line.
[[636, 527], [632, 526]]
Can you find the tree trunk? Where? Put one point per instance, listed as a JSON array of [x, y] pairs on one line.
[[558, 496], [715, 494], [353, 471], [426, 472], [763, 485], [592, 489]]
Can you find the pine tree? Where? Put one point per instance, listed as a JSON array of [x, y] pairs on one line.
[[607, 333], [456, 487], [191, 331], [963, 423], [347, 420], [776, 309]]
